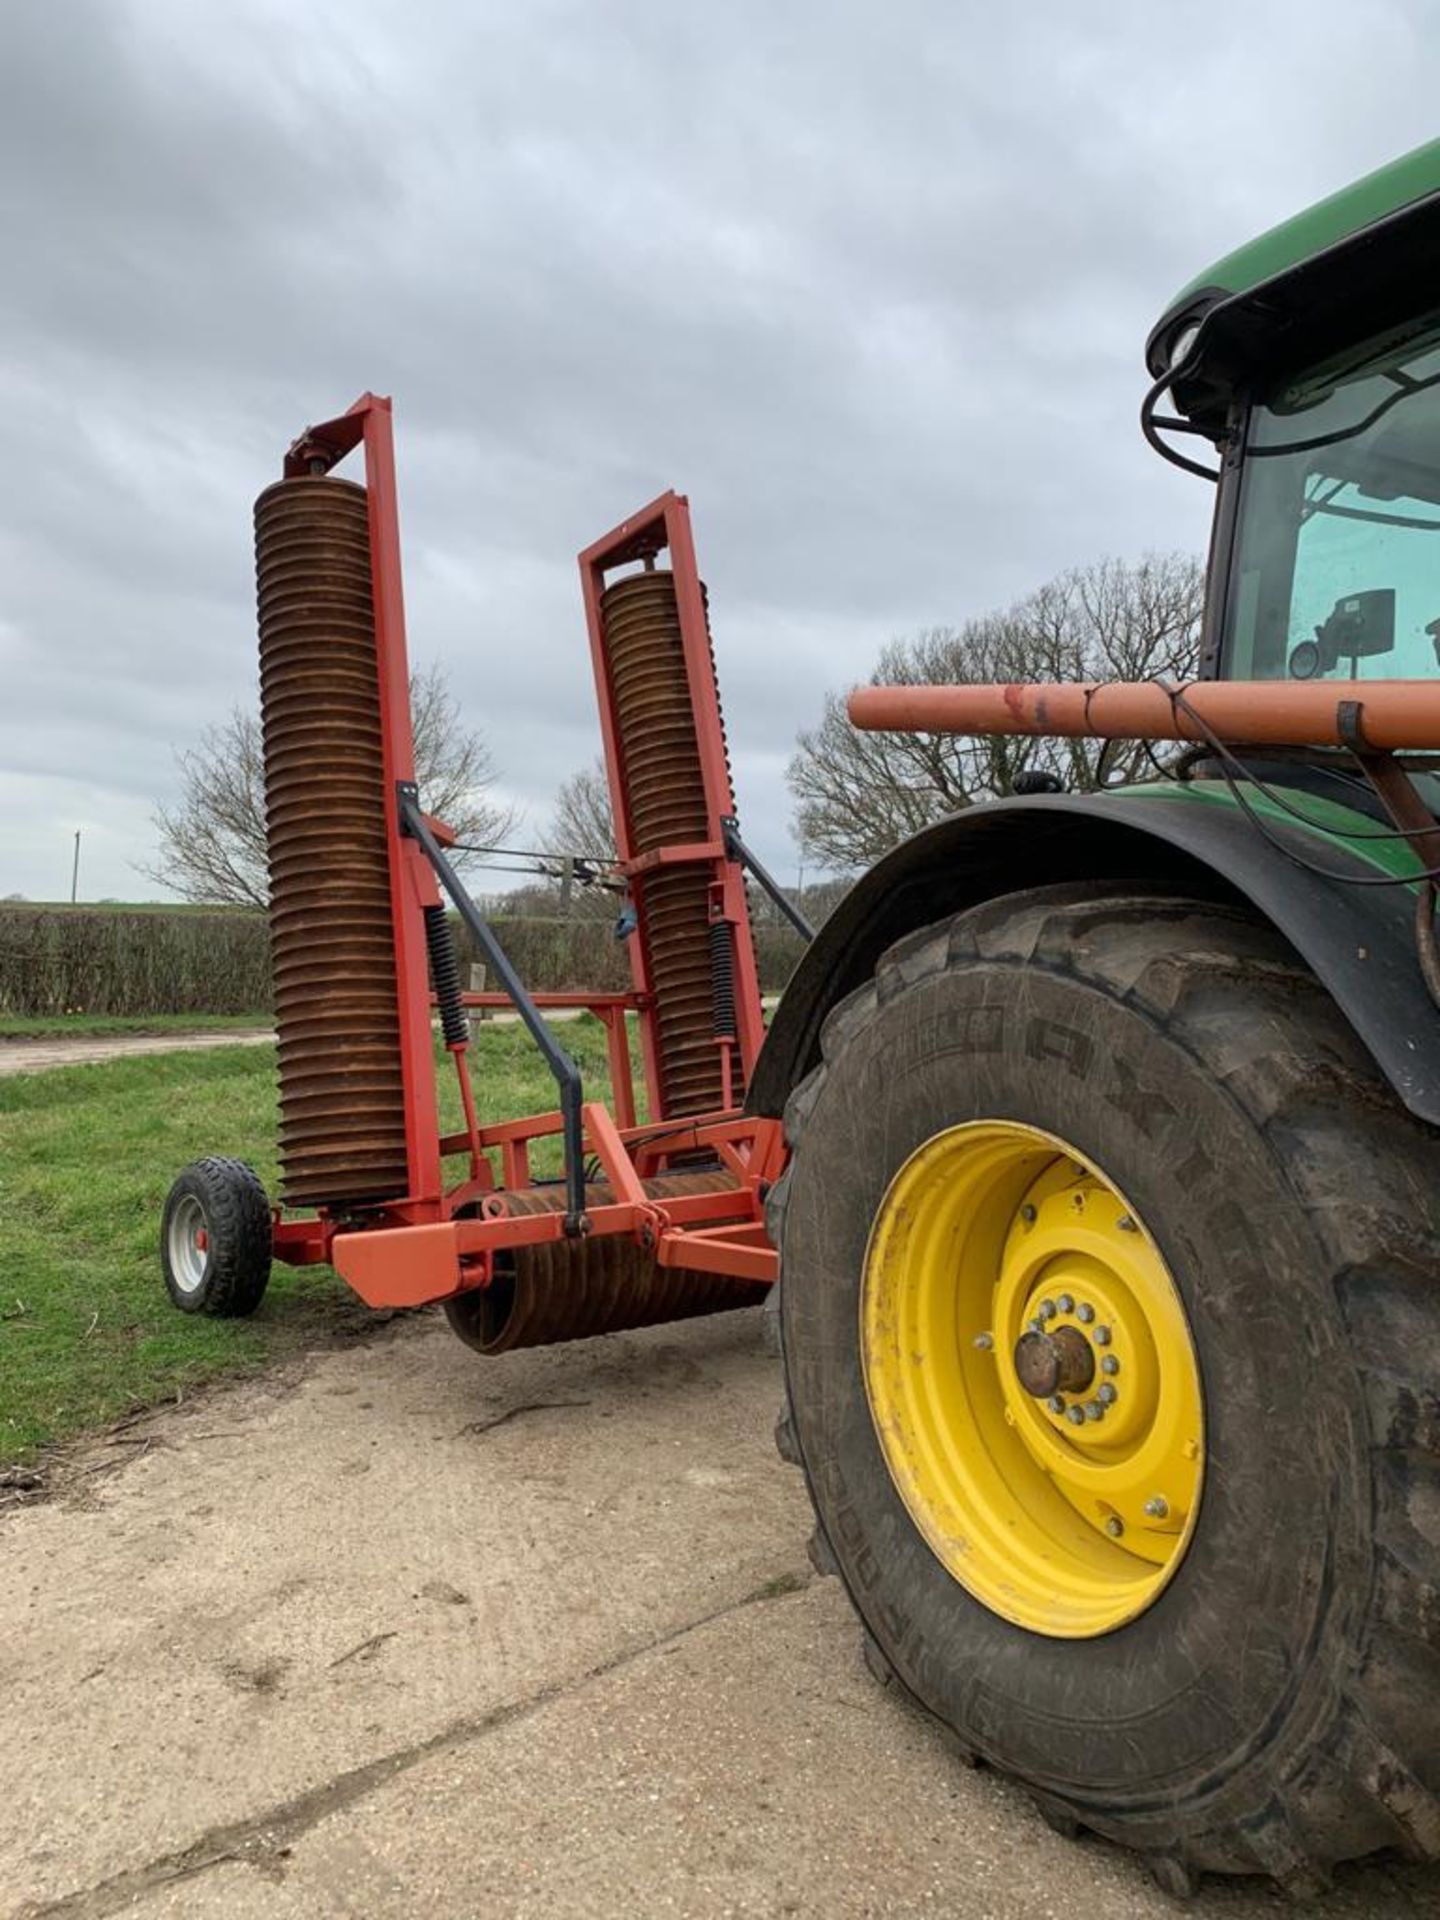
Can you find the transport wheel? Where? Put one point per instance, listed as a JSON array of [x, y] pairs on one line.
[[1110, 1292], [215, 1239]]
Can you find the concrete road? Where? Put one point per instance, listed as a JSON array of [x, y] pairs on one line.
[[407, 1632], [85, 1050]]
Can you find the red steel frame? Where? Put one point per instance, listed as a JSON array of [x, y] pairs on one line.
[[665, 525], [415, 1249]]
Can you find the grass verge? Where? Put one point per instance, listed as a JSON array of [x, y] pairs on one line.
[[92, 1026], [87, 1155]]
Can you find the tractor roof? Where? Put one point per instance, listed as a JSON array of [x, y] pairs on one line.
[[1364, 259]]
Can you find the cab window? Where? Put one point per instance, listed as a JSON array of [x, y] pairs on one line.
[[1337, 562]]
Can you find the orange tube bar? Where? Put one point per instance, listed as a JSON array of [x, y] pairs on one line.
[[1278, 713]]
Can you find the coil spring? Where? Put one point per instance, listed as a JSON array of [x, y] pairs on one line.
[[722, 978], [445, 976]]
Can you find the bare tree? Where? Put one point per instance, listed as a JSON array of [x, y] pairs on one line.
[[212, 841], [857, 794], [581, 830], [581, 821]]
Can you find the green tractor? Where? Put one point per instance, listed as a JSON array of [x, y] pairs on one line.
[[1110, 1244]]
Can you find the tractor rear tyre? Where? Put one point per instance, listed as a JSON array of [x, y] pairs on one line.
[[215, 1239], [1110, 1313]]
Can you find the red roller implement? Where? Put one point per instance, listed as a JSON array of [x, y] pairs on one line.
[[674, 1215]]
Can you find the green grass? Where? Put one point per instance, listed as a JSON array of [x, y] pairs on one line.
[[89, 1026], [87, 1155]]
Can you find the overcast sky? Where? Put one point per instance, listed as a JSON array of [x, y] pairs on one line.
[[869, 282]]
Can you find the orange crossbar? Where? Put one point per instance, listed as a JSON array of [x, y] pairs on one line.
[[1387, 715], [741, 1250]]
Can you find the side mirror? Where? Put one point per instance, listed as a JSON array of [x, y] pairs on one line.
[[1360, 626]]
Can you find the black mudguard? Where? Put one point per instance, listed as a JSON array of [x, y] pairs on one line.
[[1357, 940]]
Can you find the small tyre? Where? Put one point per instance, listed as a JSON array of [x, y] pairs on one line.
[[215, 1239], [1142, 1112]]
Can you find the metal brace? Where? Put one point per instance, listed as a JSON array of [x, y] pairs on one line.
[[736, 849], [415, 826]]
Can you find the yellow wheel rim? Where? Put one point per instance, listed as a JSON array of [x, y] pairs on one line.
[[1000, 1264]]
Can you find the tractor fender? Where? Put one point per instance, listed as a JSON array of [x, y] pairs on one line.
[[1357, 940]]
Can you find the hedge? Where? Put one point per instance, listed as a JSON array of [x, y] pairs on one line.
[[117, 960]]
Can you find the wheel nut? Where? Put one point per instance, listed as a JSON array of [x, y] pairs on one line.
[[1047, 1309], [1076, 1416], [1107, 1396], [1094, 1410], [1066, 1303], [1085, 1313], [1109, 1364], [1101, 1336], [1056, 1403], [984, 1341], [1115, 1526], [1027, 1214], [1157, 1508]]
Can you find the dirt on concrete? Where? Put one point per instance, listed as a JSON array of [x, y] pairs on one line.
[[404, 1631]]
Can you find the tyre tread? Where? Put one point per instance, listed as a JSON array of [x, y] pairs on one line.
[[237, 1210], [1226, 986]]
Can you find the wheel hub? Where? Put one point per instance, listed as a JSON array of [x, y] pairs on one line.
[[189, 1242], [1050, 1363]]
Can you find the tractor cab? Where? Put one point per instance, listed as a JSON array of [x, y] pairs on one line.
[[1310, 363]]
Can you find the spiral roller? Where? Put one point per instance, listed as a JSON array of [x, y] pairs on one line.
[[660, 754], [342, 1108]]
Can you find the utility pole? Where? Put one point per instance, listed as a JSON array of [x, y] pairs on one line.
[[75, 870]]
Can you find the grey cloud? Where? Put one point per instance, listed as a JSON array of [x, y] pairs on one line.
[[869, 283]]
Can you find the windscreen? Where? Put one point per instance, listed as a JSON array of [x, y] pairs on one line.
[[1337, 562]]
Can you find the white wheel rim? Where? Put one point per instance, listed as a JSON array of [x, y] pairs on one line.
[[188, 1243]]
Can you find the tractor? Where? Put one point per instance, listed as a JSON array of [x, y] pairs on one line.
[[1089, 1169]]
